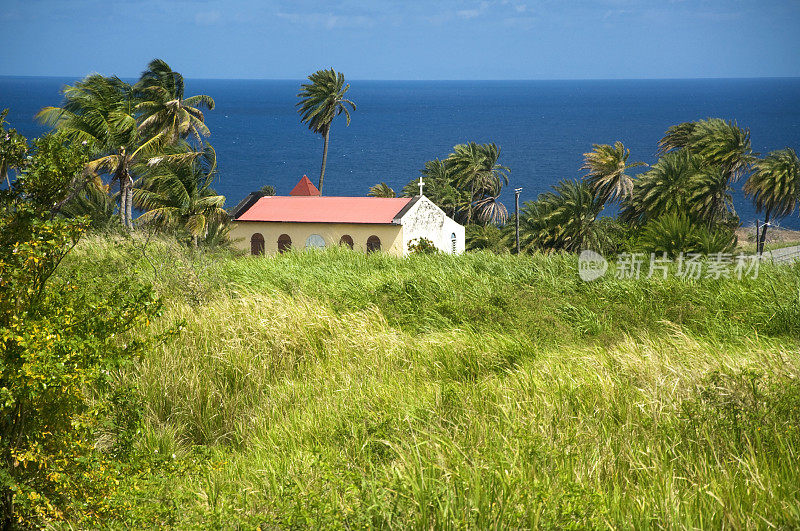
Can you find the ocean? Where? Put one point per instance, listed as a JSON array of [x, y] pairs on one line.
[[543, 127]]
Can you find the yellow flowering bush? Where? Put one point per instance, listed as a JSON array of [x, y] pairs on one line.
[[58, 350]]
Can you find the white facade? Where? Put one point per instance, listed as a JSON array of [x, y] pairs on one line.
[[426, 220]]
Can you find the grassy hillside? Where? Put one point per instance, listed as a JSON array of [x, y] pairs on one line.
[[339, 389]]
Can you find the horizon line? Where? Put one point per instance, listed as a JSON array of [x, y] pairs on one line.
[[702, 78]]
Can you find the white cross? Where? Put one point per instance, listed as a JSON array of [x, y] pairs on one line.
[[421, 184]]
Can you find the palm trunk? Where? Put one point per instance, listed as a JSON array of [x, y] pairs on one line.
[[129, 206], [763, 238], [327, 136], [4, 174], [123, 201], [125, 198]]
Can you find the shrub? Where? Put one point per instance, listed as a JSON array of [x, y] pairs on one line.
[[57, 353], [422, 246]]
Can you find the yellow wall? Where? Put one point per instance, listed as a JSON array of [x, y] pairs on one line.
[[391, 235]]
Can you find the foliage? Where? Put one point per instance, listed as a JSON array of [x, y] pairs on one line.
[[676, 233], [422, 246], [58, 349], [13, 149], [179, 195], [349, 390], [487, 237], [475, 167], [607, 166], [563, 219], [321, 101], [267, 190], [775, 183], [125, 133], [440, 187], [775, 187], [467, 184], [715, 141], [615, 237], [381, 190], [162, 108]]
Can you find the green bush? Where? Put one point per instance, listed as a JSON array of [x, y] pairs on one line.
[[59, 348], [677, 233], [422, 246]]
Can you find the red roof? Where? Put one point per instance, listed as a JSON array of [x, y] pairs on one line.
[[325, 209], [305, 187]]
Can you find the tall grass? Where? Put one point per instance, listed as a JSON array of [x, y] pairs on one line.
[[336, 389]]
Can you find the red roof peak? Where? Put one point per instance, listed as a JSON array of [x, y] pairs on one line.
[[305, 187]]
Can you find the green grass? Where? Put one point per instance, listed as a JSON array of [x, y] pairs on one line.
[[336, 389]]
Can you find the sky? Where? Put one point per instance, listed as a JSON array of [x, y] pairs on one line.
[[411, 39]]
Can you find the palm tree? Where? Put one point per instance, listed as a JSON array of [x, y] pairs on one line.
[[775, 187], [178, 194], [164, 109], [709, 196], [439, 188], [662, 189], [607, 166], [475, 167], [381, 190], [563, 219], [99, 111], [321, 101], [715, 141]]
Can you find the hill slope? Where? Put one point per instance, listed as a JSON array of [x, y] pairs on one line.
[[338, 389]]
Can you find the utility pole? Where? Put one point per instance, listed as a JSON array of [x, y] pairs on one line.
[[758, 239], [516, 212]]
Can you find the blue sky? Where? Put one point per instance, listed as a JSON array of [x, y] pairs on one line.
[[412, 39]]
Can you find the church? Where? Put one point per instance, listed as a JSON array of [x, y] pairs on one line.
[[304, 219]]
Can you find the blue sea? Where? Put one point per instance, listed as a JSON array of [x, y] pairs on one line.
[[543, 127]]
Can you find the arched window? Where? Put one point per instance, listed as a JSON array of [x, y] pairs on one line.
[[373, 244], [346, 240], [284, 243], [315, 241], [256, 244], [453, 241]]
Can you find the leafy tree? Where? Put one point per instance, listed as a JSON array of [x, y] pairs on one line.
[[267, 190], [607, 166], [563, 219], [381, 190], [54, 175], [13, 149], [165, 110], [57, 350], [322, 100], [94, 203], [775, 187], [179, 195]]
